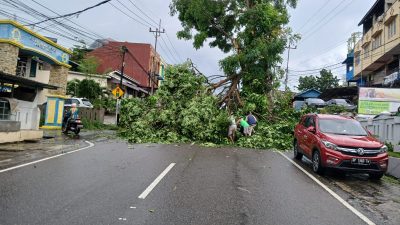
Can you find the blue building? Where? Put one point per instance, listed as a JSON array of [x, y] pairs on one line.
[[349, 62]]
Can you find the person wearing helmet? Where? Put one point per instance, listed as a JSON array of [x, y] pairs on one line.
[[72, 113]]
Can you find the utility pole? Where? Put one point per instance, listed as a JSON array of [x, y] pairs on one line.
[[287, 65], [124, 49], [158, 33]]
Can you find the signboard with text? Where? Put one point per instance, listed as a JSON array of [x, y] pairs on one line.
[[373, 101], [31, 42]]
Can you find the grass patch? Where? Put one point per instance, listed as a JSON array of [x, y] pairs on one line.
[[391, 179], [394, 154], [95, 125]]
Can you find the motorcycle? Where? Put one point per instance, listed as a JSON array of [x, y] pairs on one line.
[[74, 125]]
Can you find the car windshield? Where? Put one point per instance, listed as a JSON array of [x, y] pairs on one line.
[[315, 100], [341, 102], [86, 102], [341, 127]]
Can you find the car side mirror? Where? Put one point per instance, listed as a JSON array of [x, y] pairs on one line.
[[311, 129]]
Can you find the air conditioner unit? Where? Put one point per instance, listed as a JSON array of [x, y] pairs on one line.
[[380, 19]]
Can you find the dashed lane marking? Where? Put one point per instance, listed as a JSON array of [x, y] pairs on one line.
[[156, 181]]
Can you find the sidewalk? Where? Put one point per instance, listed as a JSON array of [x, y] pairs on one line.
[[53, 143]]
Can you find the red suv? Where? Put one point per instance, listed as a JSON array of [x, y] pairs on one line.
[[339, 142]]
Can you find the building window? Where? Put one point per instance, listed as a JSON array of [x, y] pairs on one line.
[[392, 28], [366, 51], [357, 59], [4, 110], [32, 72], [377, 42]]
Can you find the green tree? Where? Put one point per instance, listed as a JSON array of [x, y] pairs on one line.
[[325, 81], [73, 87], [78, 54], [89, 89], [88, 65], [307, 83], [251, 31]]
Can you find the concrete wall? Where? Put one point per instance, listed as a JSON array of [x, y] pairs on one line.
[[100, 79], [42, 76], [58, 77], [10, 126], [8, 58], [23, 135], [387, 128]]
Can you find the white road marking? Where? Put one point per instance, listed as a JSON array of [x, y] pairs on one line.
[[243, 189], [341, 200], [132, 207], [156, 181], [51, 157]]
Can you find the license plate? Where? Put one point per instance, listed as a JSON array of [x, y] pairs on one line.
[[80, 126], [359, 161]]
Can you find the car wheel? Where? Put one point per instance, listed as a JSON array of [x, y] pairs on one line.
[[375, 176], [316, 163], [297, 154]]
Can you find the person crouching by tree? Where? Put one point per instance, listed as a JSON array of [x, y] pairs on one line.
[[232, 129], [244, 126], [252, 121]]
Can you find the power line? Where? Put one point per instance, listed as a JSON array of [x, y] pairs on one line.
[[86, 29], [313, 16], [38, 15], [173, 47], [323, 22], [169, 50], [155, 23], [71, 14], [332, 65], [143, 20], [134, 19]]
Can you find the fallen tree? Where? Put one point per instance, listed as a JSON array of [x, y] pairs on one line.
[[183, 110], [252, 32], [187, 108]]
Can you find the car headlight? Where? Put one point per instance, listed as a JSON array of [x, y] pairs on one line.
[[330, 145], [384, 149]]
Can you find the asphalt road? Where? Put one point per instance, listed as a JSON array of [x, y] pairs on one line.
[[101, 185]]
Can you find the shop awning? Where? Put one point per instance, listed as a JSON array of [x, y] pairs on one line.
[[12, 79]]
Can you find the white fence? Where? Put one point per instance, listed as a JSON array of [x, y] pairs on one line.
[[386, 128]]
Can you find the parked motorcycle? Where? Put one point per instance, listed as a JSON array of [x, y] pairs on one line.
[[74, 125]]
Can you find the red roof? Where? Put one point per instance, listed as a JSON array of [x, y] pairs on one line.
[[137, 60]]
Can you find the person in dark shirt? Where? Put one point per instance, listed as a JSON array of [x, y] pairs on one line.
[[252, 121]]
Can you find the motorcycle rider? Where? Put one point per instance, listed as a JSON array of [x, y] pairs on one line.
[[72, 113]]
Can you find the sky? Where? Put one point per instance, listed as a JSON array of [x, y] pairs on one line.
[[325, 26]]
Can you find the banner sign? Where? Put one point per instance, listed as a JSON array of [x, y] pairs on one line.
[[31, 42], [373, 101]]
